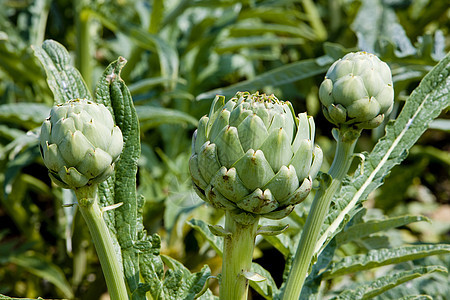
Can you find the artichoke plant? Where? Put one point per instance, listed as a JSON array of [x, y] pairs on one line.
[[253, 155], [80, 143], [357, 91]]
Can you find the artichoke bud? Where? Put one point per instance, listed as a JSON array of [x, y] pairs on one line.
[[79, 143], [357, 91], [254, 157]]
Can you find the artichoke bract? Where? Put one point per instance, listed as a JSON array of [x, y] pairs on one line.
[[80, 143], [357, 91], [253, 155]]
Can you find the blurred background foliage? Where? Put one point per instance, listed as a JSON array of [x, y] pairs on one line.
[[180, 54]]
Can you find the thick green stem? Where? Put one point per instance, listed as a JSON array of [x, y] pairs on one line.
[[85, 39], [342, 160], [237, 258], [346, 141], [87, 200]]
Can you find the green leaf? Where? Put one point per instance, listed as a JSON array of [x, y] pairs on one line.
[[168, 56], [64, 80], [202, 227], [39, 265], [376, 19], [152, 116], [272, 229], [361, 230], [425, 103], [266, 288], [218, 230], [376, 287], [382, 257], [27, 115], [29, 151], [285, 74], [417, 297], [239, 43], [114, 94], [282, 243], [441, 124], [3, 297], [179, 283]]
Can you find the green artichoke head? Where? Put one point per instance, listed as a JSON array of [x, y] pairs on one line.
[[253, 155], [357, 91], [80, 143]]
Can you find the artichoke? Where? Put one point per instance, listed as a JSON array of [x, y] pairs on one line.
[[252, 155], [357, 91], [80, 143]]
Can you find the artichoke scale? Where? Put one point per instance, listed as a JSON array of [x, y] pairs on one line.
[[253, 169], [283, 183], [73, 147], [95, 162], [300, 194], [252, 132], [229, 148], [280, 213], [200, 134], [277, 149], [302, 159], [228, 183], [221, 122], [217, 200], [259, 202], [72, 177], [208, 162], [197, 178]]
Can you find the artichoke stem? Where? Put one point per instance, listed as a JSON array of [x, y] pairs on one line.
[[88, 206], [237, 258], [346, 142]]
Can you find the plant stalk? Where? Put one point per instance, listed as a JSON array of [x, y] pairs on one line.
[[88, 206], [237, 258], [85, 45], [346, 142]]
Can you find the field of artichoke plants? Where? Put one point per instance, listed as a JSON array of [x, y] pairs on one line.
[[221, 149]]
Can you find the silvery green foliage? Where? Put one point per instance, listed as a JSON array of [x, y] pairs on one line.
[[357, 91], [80, 143], [253, 155]]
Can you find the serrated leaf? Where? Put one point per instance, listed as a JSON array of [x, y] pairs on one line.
[[27, 115], [113, 93], [286, 74], [38, 265], [376, 19], [361, 230], [382, 257], [425, 103], [376, 287], [179, 283], [64, 80], [202, 227]]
